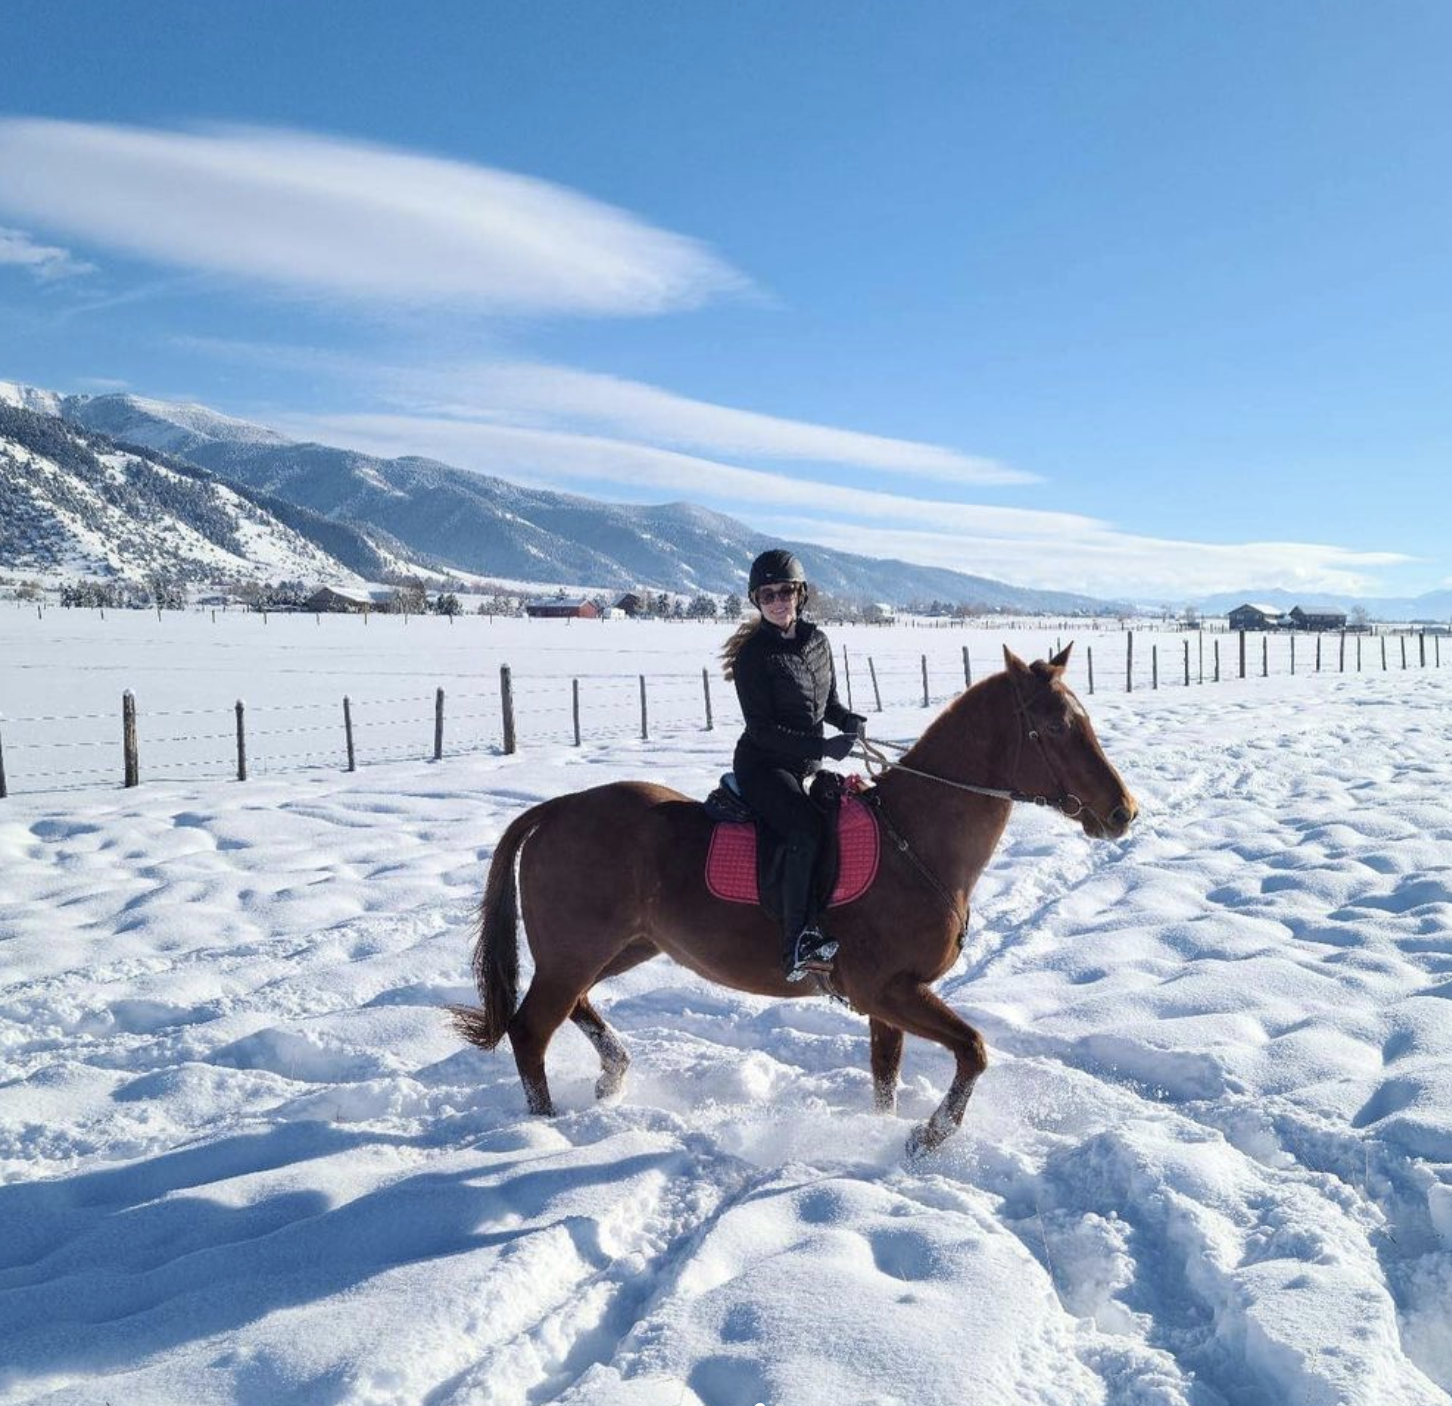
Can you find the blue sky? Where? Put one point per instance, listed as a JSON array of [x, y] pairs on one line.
[[1126, 298]]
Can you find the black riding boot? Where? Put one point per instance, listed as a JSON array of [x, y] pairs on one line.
[[806, 947]]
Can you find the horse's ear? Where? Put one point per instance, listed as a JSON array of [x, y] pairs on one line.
[[1061, 659], [1013, 663]]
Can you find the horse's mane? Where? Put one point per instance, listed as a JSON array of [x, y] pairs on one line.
[[973, 701]]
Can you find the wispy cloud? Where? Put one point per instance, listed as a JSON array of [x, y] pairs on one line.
[[532, 395], [1105, 562], [362, 223], [43, 261], [548, 457], [563, 397], [1062, 551]]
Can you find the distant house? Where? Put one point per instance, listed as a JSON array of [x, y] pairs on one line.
[[1255, 617], [630, 604], [562, 609], [1316, 617], [340, 598]]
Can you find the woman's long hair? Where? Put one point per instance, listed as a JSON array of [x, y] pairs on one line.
[[732, 647]]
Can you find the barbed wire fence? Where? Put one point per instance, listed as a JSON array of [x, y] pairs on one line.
[[56, 752]]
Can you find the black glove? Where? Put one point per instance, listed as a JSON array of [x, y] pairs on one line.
[[838, 747], [856, 724]]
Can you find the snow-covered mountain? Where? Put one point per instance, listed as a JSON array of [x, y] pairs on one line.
[[452, 518], [75, 502], [158, 424]]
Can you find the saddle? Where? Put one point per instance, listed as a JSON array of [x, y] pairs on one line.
[[744, 861]]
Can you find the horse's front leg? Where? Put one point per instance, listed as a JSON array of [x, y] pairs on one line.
[[886, 1062], [912, 1007]]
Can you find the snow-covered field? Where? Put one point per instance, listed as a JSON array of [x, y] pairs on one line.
[[243, 1158]]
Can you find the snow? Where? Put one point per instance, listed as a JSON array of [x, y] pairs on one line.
[[24, 397], [107, 538], [243, 1157]]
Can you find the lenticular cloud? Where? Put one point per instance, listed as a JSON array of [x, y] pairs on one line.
[[365, 223]]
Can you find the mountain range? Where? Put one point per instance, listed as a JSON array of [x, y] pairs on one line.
[[320, 513], [421, 515]]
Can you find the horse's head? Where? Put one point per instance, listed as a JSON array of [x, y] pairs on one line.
[[1059, 757]]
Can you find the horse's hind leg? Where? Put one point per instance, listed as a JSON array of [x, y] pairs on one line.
[[544, 1007], [886, 1062], [614, 1060], [910, 1006]]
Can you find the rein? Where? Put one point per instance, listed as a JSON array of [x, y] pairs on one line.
[[878, 762]]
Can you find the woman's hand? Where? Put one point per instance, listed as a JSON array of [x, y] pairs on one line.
[[837, 748]]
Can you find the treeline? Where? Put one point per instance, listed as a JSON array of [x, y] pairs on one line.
[[124, 595]]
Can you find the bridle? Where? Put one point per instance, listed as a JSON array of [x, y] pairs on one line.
[[1067, 802], [879, 762]]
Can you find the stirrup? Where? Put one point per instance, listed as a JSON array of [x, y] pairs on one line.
[[811, 955]]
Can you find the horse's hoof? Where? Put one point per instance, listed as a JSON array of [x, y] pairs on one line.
[[885, 1107], [923, 1140], [608, 1085]]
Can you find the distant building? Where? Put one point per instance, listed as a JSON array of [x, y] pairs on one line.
[[1256, 617], [562, 609], [630, 604], [1316, 617], [340, 598]]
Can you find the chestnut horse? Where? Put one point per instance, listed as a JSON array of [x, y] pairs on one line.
[[615, 875]]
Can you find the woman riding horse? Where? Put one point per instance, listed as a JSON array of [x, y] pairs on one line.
[[1020, 735], [782, 667]]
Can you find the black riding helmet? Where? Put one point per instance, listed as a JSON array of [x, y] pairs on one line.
[[773, 567]]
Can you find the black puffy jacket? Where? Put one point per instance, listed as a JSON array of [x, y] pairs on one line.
[[787, 688]]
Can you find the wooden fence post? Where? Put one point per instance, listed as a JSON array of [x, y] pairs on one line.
[[1383, 654], [575, 707], [348, 732], [1404, 651], [1341, 669], [1318, 654], [1422, 648], [1293, 654], [1358, 654], [925, 681], [706, 688], [1154, 667], [130, 758], [1217, 661], [1090, 653], [967, 669], [439, 725], [1201, 652], [644, 713], [847, 673], [241, 742], [876, 692], [3, 791], [1187, 663], [1265, 656], [506, 700], [1129, 661], [1242, 654]]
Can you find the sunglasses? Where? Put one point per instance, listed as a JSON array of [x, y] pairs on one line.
[[766, 595]]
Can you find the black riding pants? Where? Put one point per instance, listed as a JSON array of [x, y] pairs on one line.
[[778, 795]]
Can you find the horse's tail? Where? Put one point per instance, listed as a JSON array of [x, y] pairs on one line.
[[496, 949]]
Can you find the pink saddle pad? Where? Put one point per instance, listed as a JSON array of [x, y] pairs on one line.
[[731, 860]]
